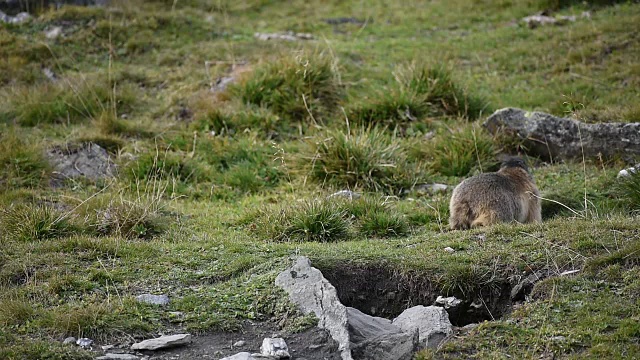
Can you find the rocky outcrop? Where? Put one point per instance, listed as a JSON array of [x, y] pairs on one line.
[[86, 160], [431, 322], [308, 289], [361, 336], [552, 137]]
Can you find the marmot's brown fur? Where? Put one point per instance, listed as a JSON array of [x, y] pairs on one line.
[[504, 196]]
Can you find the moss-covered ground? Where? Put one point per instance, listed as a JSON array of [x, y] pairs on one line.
[[217, 190]]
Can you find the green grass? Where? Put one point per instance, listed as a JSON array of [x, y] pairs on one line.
[[216, 190], [367, 158]]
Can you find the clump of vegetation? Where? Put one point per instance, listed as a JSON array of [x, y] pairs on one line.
[[376, 218], [438, 89], [109, 124], [28, 222], [367, 158], [119, 215], [319, 221], [458, 152], [212, 117], [629, 189], [22, 164], [66, 102], [419, 91], [165, 166], [297, 88]]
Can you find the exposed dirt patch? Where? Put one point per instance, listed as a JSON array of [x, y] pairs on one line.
[[311, 344]]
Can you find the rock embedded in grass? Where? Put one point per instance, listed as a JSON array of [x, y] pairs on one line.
[[552, 137], [153, 299]]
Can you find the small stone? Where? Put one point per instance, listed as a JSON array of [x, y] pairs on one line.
[[629, 171], [347, 194], [449, 249], [84, 342], [118, 357], [54, 32], [107, 347], [558, 338], [153, 299], [162, 342], [448, 302], [239, 343], [69, 340], [569, 272], [275, 347]]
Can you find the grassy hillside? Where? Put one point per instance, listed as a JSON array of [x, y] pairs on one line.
[[217, 188]]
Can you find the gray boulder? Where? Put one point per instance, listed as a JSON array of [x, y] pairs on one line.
[[153, 299], [359, 336], [553, 137], [308, 289], [431, 322], [163, 342], [88, 160], [377, 338]]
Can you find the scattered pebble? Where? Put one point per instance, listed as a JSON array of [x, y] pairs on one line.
[[448, 302], [53, 33], [239, 343], [449, 249], [276, 347], [289, 36], [84, 342], [347, 194]]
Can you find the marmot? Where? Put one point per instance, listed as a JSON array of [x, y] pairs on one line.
[[504, 196]]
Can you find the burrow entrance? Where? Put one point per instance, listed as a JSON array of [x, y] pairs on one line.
[[381, 291]]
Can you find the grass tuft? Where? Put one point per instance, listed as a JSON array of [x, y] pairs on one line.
[[367, 158], [319, 221], [419, 91], [22, 164], [293, 88], [66, 102], [458, 152], [629, 190], [27, 223]]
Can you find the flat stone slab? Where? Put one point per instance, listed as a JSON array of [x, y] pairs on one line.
[[163, 342]]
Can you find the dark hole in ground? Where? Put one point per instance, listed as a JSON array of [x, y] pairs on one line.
[[380, 291]]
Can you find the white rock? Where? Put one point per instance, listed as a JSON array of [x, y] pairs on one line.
[[162, 342], [69, 340], [239, 343], [275, 347], [449, 249], [239, 356], [448, 302], [347, 194], [628, 172], [118, 357], [432, 323], [54, 32], [153, 299], [84, 342]]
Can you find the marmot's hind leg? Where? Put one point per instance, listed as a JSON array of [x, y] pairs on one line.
[[485, 218]]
